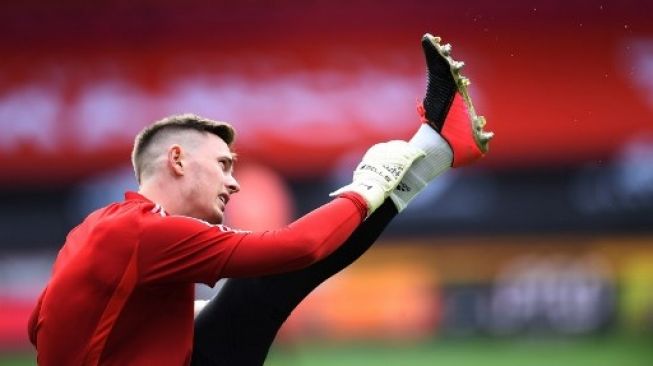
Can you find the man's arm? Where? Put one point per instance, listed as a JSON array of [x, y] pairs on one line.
[[304, 242], [181, 249]]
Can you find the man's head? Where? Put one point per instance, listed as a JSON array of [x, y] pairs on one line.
[[185, 163]]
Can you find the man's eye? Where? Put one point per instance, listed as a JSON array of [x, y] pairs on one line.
[[224, 165]]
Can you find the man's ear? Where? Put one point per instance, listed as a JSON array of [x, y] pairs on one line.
[[175, 159]]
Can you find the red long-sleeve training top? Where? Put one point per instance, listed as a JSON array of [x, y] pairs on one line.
[[122, 286]]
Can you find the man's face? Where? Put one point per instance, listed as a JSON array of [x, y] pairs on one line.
[[210, 181]]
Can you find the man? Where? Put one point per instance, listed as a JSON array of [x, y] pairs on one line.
[[238, 326], [121, 292], [122, 287]]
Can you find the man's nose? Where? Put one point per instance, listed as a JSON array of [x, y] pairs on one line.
[[232, 185]]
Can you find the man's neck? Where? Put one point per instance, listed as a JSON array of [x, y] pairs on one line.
[[160, 194]]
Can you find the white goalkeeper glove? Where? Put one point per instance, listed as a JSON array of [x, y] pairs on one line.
[[382, 168]]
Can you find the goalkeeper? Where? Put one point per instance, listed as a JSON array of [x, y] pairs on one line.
[[122, 286]]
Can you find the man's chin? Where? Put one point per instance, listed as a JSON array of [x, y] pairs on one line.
[[216, 218]]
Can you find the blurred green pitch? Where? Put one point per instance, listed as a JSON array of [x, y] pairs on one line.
[[594, 351]]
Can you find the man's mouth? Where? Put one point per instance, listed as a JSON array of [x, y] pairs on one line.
[[224, 198]]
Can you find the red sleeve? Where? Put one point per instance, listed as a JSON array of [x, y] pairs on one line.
[[305, 241], [182, 249]]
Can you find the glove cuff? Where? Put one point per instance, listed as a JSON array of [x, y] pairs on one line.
[[371, 193]]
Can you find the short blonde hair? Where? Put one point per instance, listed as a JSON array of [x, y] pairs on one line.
[[181, 122]]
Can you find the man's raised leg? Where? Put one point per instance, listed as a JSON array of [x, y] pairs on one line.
[[239, 324]]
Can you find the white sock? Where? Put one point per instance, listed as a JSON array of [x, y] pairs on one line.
[[438, 159]]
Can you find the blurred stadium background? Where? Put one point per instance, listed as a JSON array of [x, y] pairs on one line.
[[541, 254]]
